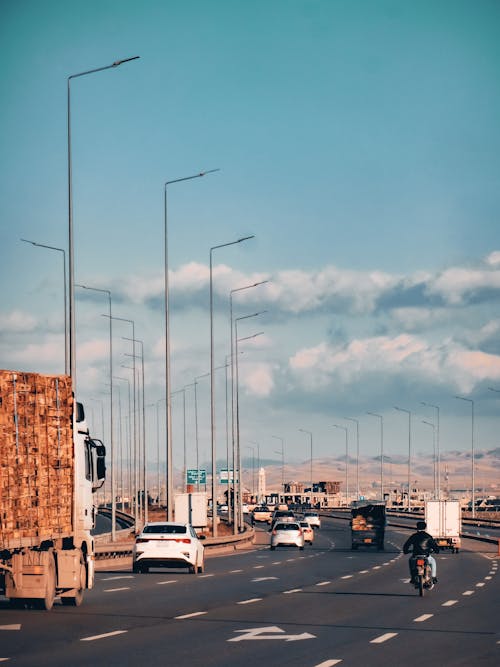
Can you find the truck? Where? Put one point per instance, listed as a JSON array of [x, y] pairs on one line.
[[368, 523], [50, 468], [192, 508], [444, 523]]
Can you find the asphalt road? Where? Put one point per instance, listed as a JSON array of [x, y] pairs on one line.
[[323, 606]]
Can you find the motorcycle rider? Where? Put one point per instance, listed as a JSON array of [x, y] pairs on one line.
[[421, 544]]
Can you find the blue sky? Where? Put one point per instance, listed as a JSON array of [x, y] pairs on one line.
[[359, 143]]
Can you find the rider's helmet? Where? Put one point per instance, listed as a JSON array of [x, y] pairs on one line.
[[421, 525]]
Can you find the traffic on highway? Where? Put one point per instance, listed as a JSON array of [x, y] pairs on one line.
[[320, 606]]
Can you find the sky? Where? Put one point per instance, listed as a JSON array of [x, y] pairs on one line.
[[358, 143]]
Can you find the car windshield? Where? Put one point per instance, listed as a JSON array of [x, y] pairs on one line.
[[287, 526], [165, 528]]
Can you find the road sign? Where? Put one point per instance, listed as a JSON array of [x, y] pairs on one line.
[[227, 476], [194, 476], [270, 632]]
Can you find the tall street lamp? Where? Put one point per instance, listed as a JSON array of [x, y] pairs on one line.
[[144, 461], [346, 431], [66, 337], [311, 443], [212, 380], [169, 455], [113, 476], [408, 412], [438, 449], [356, 421], [375, 414], [473, 465], [129, 416], [433, 426], [71, 305], [282, 452]]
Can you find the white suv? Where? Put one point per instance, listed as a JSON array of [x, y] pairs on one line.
[[313, 518]]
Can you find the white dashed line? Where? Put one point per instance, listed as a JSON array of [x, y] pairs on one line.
[[162, 583], [235, 571], [364, 571], [468, 593], [424, 617], [250, 601], [480, 584], [258, 567], [115, 590], [328, 663], [347, 576], [449, 603], [195, 613], [11, 626], [377, 567], [4, 659], [488, 578], [323, 583], [122, 576], [384, 638], [205, 576], [292, 590], [103, 636]]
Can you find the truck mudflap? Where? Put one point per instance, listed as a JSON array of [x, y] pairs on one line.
[[32, 577]]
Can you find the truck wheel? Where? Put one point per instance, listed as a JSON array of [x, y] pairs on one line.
[[47, 601]]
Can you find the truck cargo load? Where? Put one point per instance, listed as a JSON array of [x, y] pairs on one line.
[[368, 523]]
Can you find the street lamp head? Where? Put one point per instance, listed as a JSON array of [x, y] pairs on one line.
[[117, 63]]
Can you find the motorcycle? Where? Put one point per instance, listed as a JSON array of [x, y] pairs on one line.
[[422, 578]]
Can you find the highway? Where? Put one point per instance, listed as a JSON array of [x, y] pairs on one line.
[[323, 606]]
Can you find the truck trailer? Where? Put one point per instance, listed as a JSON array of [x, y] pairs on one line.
[[444, 522], [50, 468], [368, 523]]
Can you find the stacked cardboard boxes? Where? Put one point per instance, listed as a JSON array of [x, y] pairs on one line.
[[36, 458]]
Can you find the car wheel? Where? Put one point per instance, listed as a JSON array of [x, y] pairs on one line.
[[192, 569]]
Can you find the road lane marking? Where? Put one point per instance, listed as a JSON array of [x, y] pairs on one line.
[[347, 576], [103, 636], [249, 601], [468, 593], [449, 603], [276, 562], [258, 567], [115, 590], [377, 567], [192, 615], [384, 638], [488, 578], [364, 571], [273, 632], [170, 581], [12, 626], [481, 583], [205, 576], [323, 583], [328, 663], [122, 576], [292, 590], [265, 579], [424, 617], [4, 659], [235, 571]]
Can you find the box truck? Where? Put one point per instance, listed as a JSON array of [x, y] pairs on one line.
[[444, 523], [368, 523], [192, 508], [50, 468]]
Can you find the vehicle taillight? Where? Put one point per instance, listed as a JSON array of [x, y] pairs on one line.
[[420, 561], [300, 531]]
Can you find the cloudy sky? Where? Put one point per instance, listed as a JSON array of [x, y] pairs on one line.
[[358, 142]]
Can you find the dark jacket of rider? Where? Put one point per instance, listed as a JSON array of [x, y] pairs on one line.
[[421, 544]]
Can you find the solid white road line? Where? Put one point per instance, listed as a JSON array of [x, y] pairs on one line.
[[383, 638], [195, 613], [449, 603], [249, 601], [422, 618], [103, 636]]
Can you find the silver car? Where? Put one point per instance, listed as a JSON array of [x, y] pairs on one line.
[[287, 534]]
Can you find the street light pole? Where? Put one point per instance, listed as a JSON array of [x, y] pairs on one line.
[[473, 480], [113, 472], [212, 380], [311, 442], [144, 462], [169, 448], [438, 449], [356, 421], [408, 412], [346, 431], [277, 437], [71, 281], [66, 337], [375, 414], [434, 452]]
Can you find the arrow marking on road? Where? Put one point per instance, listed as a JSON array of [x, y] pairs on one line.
[[273, 632]]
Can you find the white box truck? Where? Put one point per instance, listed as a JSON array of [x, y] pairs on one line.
[[192, 508], [444, 523], [49, 471]]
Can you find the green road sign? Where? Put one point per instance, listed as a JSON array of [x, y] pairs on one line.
[[194, 476]]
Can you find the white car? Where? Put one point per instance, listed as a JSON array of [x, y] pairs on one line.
[[313, 518], [308, 531], [168, 544], [287, 534]]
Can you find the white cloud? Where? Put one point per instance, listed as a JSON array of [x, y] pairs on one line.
[[493, 259], [17, 322], [257, 378], [454, 284]]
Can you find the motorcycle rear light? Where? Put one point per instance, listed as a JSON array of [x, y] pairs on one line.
[[420, 561]]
